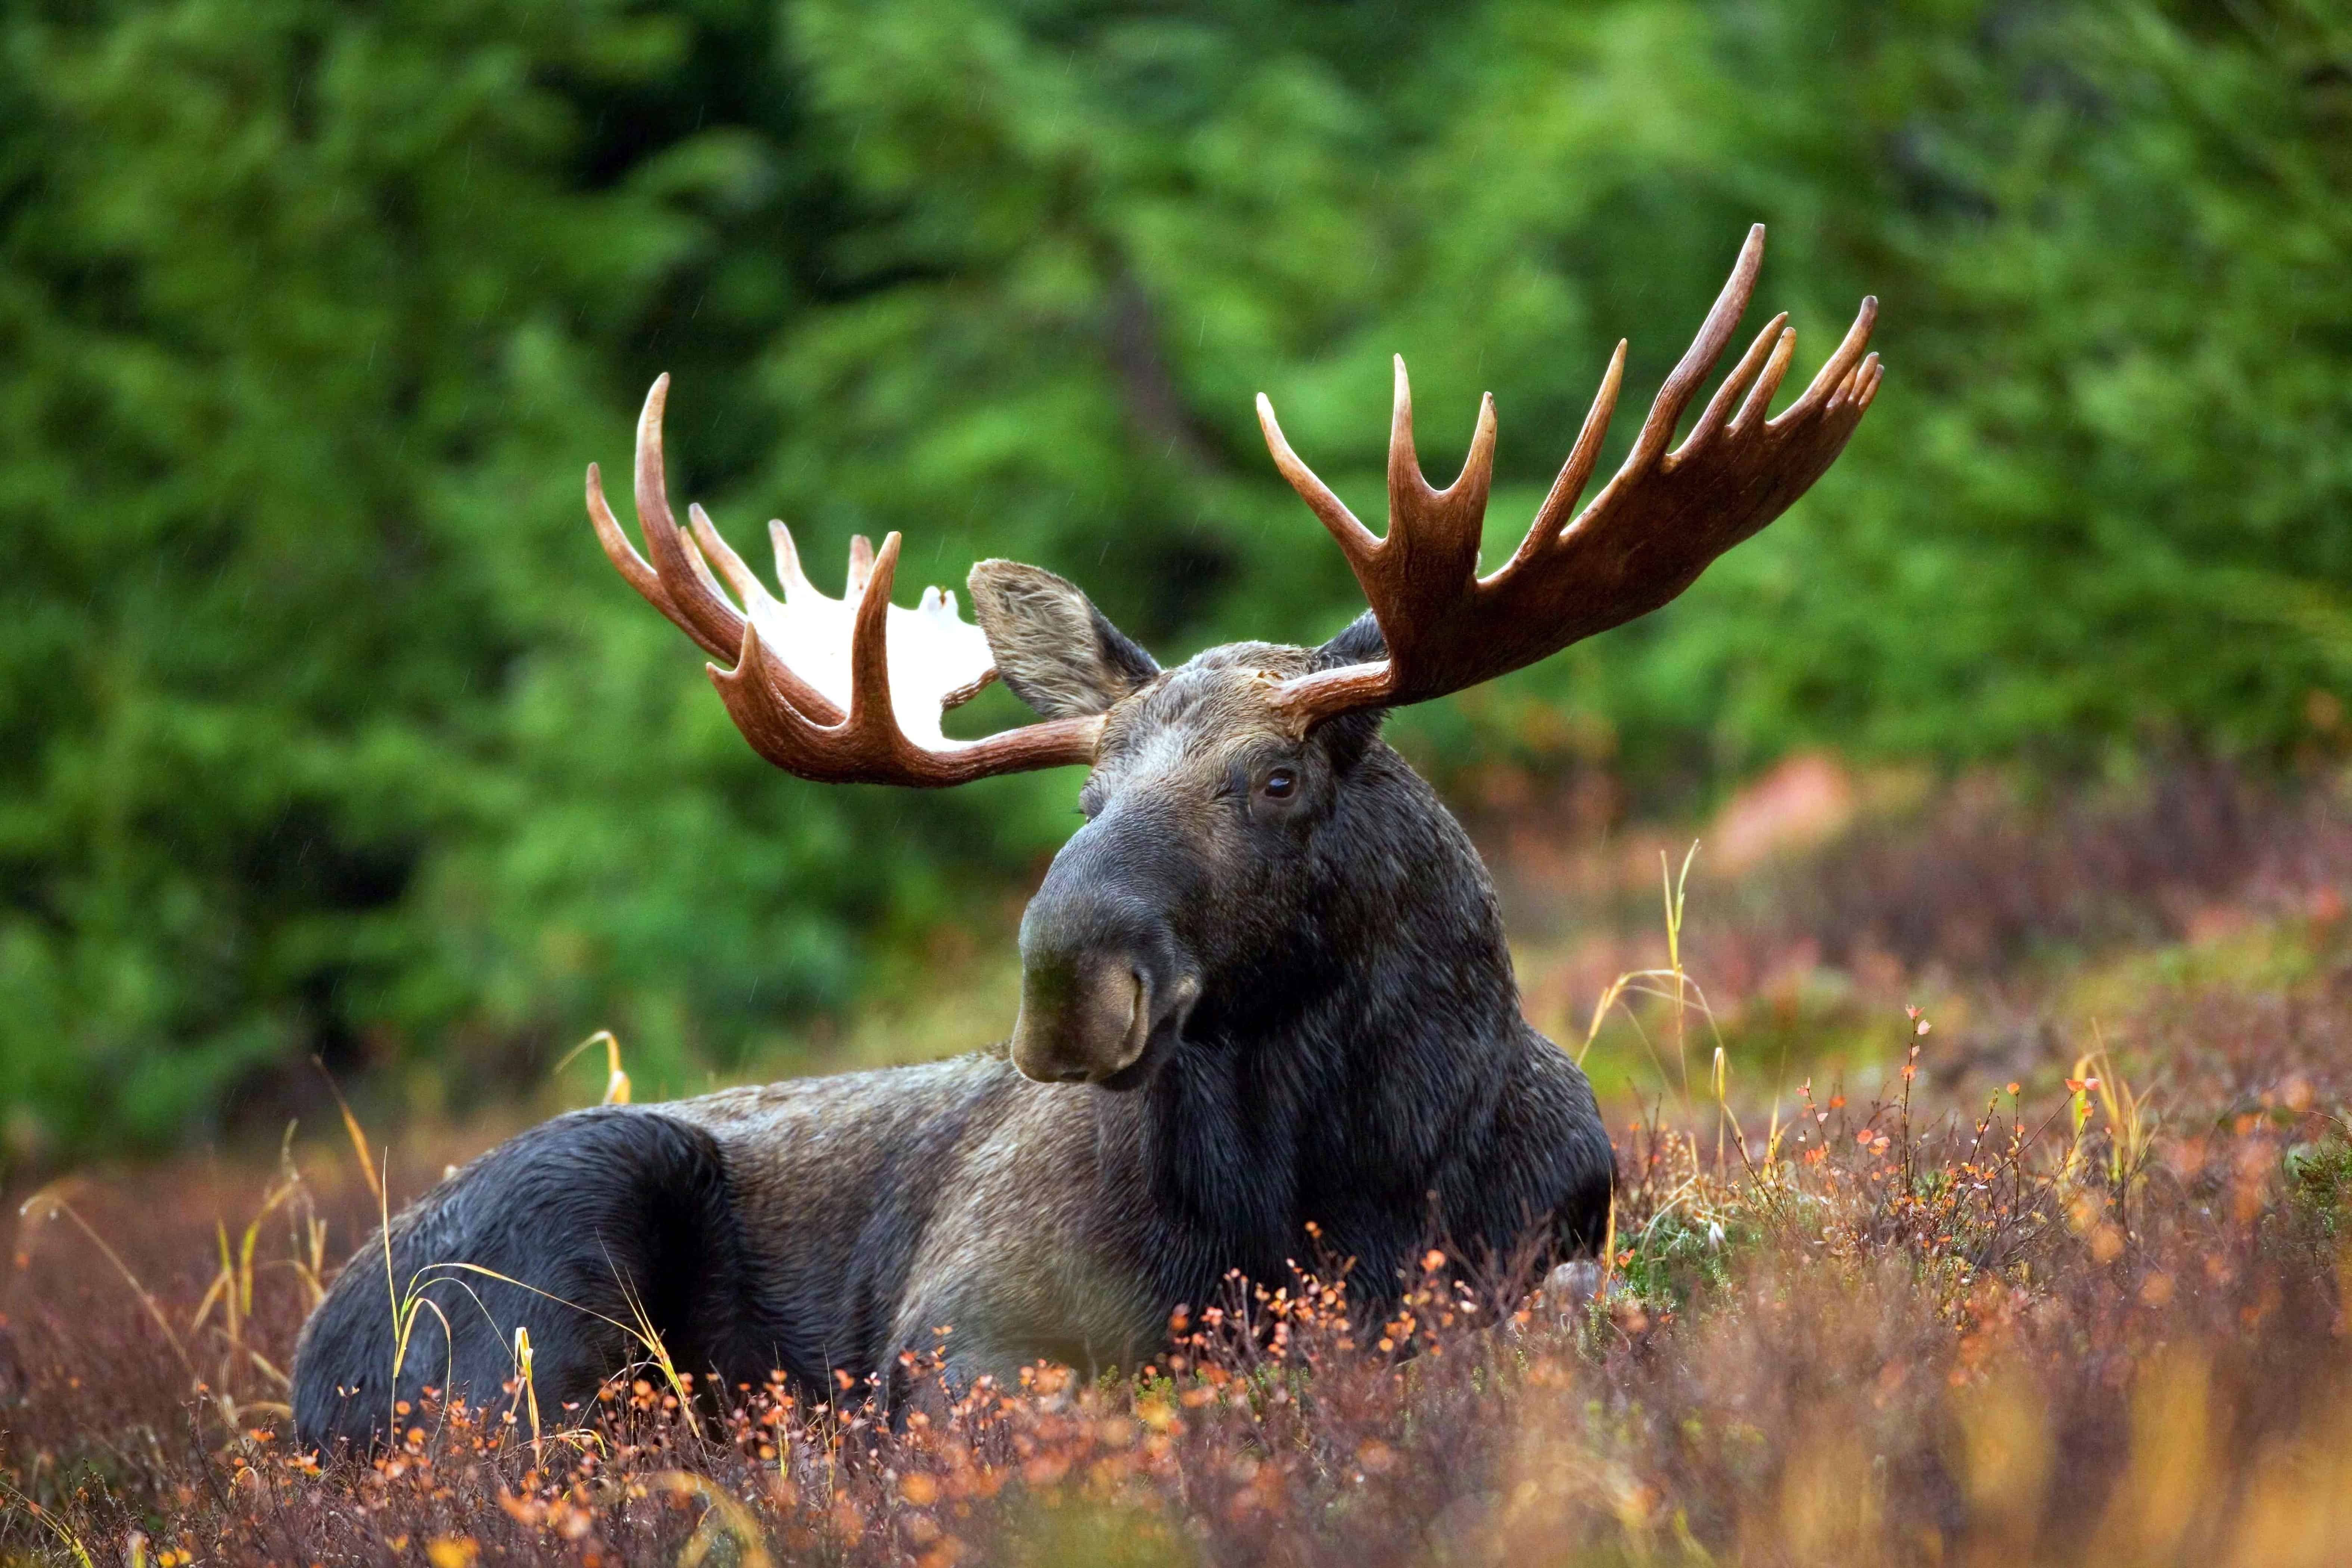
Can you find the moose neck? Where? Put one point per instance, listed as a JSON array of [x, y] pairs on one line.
[[1330, 1083]]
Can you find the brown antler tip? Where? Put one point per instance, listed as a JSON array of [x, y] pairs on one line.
[[1271, 428], [1353, 536], [886, 560], [869, 659], [653, 504], [1479, 466], [1865, 321], [747, 655], [1405, 463]]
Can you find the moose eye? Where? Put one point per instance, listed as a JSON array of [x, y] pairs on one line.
[[1280, 783]]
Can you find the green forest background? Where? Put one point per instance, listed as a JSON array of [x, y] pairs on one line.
[[326, 730]]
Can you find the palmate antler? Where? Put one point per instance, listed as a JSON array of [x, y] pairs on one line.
[[839, 691], [1649, 533]]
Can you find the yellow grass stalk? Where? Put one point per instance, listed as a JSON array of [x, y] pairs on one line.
[[616, 1082]]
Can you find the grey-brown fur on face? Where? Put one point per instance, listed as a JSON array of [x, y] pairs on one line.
[[1330, 1033]]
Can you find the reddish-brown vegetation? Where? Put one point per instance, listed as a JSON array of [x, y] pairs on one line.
[[2061, 1297]]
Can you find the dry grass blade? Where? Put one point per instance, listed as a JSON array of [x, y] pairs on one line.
[[616, 1082], [49, 1521], [359, 1139]]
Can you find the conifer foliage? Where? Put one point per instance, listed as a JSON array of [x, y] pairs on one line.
[[325, 730]]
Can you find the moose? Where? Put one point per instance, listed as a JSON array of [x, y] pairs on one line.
[[1266, 1001]]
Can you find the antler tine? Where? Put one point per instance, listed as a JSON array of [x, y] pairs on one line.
[[1433, 533], [631, 566], [1356, 541], [712, 546], [1406, 485], [677, 582], [1559, 507], [861, 565], [869, 651], [1759, 398], [1833, 372], [704, 577], [789, 571], [709, 619], [1720, 406], [1429, 561], [1714, 337], [1860, 386], [1430, 554]]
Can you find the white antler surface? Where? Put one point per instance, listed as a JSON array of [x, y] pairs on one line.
[[937, 660]]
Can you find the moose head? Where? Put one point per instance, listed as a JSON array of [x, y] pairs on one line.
[[1234, 800]]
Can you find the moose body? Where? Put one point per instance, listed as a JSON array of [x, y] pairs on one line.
[[1268, 1018], [827, 1224]]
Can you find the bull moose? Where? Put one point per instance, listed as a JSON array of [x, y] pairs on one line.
[[1264, 987]]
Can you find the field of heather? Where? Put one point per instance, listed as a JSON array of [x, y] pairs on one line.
[[1983, 1173]]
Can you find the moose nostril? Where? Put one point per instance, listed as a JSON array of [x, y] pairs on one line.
[[1075, 1075]]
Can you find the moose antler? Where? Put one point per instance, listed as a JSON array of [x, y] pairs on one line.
[[839, 691], [1646, 537]]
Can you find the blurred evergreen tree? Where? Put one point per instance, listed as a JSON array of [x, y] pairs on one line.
[[326, 731]]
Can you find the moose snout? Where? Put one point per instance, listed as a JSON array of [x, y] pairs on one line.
[[1103, 977], [1106, 982], [1082, 1019]]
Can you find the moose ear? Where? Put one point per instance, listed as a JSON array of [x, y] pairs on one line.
[[1054, 650], [1360, 642]]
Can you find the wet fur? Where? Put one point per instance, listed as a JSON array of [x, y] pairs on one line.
[[1357, 1059]]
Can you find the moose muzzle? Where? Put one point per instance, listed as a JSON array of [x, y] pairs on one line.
[[1105, 987], [1084, 1021]]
